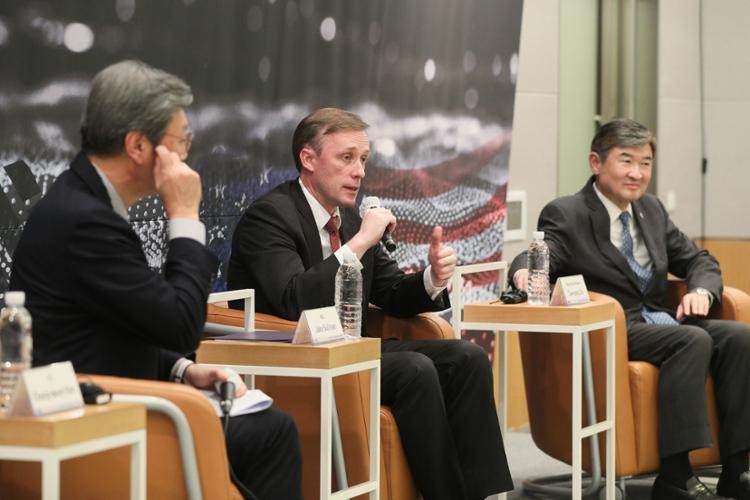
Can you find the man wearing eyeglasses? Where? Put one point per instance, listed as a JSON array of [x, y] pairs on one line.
[[88, 286]]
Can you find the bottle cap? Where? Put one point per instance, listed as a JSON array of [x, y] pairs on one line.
[[538, 235], [15, 299]]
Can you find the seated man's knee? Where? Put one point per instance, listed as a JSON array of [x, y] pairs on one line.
[[697, 341], [416, 368], [739, 337], [470, 356]]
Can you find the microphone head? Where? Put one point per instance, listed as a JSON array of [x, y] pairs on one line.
[[368, 202]]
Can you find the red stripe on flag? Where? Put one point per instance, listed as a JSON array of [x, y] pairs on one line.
[[432, 180]]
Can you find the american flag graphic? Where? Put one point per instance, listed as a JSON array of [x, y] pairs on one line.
[[443, 170]]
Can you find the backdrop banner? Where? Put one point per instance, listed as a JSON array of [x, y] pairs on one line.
[[435, 79]]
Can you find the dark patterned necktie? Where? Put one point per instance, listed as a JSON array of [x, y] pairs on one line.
[[644, 275], [333, 233]]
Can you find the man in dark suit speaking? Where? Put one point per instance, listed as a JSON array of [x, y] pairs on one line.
[[92, 296], [288, 246], [622, 241]]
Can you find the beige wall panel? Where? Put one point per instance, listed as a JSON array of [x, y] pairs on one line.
[[533, 157], [678, 49], [726, 43], [678, 161], [539, 47], [728, 178]]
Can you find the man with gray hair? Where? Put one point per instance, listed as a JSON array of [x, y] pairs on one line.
[[88, 286], [621, 239]]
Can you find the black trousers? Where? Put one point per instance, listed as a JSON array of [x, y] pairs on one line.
[[685, 353], [440, 392], [264, 452]]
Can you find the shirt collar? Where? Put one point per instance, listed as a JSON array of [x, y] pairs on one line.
[[117, 205], [613, 210], [320, 214]]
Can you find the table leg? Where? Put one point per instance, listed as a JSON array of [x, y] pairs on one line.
[[50, 478], [326, 397], [576, 417], [501, 338], [375, 431], [138, 468], [611, 395]]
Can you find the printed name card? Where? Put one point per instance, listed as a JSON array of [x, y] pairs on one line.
[[317, 326], [45, 390], [570, 291]]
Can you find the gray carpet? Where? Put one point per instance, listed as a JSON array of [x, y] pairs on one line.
[[527, 461]]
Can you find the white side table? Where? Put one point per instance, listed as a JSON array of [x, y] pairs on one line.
[[74, 433], [575, 321], [323, 361]]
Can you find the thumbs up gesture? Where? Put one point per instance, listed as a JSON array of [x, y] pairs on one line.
[[442, 259]]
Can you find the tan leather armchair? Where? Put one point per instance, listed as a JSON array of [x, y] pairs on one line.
[[103, 475], [301, 398], [546, 366]]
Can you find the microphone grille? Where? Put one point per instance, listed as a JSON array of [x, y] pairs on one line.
[[368, 202]]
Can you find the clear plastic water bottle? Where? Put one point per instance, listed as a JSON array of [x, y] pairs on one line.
[[538, 266], [348, 297], [15, 343]]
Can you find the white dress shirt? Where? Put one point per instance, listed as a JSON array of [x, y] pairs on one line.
[[640, 252]]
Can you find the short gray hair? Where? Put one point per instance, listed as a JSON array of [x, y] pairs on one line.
[[129, 96], [621, 133]]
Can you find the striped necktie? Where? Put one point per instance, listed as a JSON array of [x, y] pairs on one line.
[[643, 274]]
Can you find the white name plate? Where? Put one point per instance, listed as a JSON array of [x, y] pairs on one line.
[[570, 291], [317, 326], [45, 390]]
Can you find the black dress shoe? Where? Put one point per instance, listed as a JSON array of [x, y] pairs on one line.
[[694, 489], [739, 490]]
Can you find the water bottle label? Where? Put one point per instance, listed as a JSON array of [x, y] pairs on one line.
[[316, 326]]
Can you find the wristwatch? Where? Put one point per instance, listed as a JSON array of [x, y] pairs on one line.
[[702, 291]]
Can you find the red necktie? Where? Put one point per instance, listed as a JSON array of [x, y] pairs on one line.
[[333, 233]]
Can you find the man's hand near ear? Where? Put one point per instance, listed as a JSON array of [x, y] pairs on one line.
[[178, 185]]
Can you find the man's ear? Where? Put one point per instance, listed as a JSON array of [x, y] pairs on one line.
[[137, 146], [307, 157], [595, 163]]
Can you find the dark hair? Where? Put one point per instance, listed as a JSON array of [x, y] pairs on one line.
[[621, 133], [127, 96], [322, 122]]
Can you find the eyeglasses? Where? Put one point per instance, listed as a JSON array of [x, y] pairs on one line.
[[186, 141]]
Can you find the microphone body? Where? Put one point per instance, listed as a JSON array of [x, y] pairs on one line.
[[226, 394], [225, 389], [369, 202]]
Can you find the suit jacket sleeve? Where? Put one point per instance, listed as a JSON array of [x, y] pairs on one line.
[[557, 228], [397, 293], [112, 280], [271, 248], [687, 261]]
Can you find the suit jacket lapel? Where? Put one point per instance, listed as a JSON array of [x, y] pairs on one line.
[[600, 224], [309, 228]]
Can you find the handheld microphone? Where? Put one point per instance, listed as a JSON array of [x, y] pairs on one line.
[[225, 389], [226, 394], [369, 202]]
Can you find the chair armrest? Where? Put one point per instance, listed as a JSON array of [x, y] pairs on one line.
[[425, 326], [235, 317], [735, 304]]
